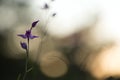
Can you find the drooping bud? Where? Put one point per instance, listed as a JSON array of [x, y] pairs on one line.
[[23, 45], [34, 23]]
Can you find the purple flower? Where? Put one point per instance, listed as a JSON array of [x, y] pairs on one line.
[[23, 45], [28, 34]]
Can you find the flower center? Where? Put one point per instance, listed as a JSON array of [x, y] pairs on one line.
[[28, 33]]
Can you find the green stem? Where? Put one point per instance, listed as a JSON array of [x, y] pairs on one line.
[[19, 76], [26, 63]]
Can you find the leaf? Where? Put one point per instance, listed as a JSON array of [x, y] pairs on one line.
[[30, 69]]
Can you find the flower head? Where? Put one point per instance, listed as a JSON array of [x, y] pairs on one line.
[[28, 34]]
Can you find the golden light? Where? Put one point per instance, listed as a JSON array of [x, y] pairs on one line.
[[53, 64], [107, 63]]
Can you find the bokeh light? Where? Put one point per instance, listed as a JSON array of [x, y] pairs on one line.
[[53, 64]]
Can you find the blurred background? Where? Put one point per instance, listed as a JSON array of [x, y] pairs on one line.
[[48, 58], [16, 17]]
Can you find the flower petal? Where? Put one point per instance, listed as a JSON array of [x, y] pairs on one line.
[[22, 35], [34, 23], [23, 45], [32, 37]]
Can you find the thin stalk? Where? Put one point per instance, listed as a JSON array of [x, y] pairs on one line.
[[42, 39], [26, 63]]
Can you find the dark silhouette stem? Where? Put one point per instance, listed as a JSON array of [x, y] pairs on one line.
[[26, 63]]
